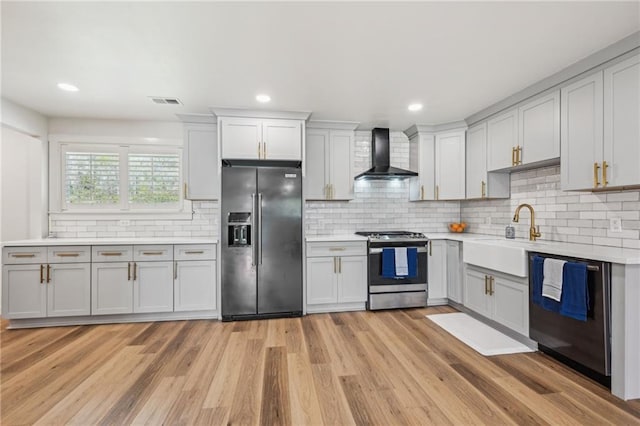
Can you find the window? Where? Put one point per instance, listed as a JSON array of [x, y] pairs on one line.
[[112, 178]]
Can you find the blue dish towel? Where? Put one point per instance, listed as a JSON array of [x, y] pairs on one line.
[[389, 262], [575, 292], [537, 276]]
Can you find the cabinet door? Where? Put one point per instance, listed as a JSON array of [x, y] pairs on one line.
[[581, 132], [422, 159], [475, 295], [153, 287], [502, 137], [449, 166], [111, 288], [352, 279], [511, 304], [322, 281], [239, 138], [477, 161], [69, 292], [539, 129], [24, 293], [340, 160], [282, 139], [317, 165], [621, 128], [201, 164], [437, 272], [195, 285], [454, 271]]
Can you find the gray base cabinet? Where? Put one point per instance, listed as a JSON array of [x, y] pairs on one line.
[[195, 285], [153, 287], [69, 291], [499, 297]]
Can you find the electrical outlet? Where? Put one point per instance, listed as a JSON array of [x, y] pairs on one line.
[[615, 224], [124, 222]]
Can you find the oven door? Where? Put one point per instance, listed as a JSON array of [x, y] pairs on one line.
[[395, 284]]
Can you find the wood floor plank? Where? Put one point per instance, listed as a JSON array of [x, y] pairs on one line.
[[276, 409], [374, 367]]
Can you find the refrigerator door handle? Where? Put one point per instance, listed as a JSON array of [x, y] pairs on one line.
[[260, 228], [253, 226]]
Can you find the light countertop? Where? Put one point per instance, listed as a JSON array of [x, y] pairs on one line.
[[331, 238], [107, 241]]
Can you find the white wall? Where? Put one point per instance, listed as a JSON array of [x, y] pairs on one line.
[[115, 128]]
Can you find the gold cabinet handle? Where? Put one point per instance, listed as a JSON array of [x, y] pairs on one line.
[[153, 253], [437, 192], [186, 194], [340, 265], [422, 192], [128, 271], [337, 249], [605, 182], [486, 284], [259, 150], [194, 252], [135, 271], [596, 167], [513, 156], [430, 250], [110, 253], [518, 155], [67, 254], [491, 281], [175, 270], [41, 274], [23, 255], [484, 189], [335, 267], [48, 273]]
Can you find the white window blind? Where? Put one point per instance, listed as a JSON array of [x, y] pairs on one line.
[[154, 178], [92, 178]]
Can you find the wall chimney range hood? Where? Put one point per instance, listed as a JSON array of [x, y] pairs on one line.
[[382, 169]]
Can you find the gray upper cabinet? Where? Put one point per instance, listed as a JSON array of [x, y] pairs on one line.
[[480, 182], [201, 168], [502, 140]]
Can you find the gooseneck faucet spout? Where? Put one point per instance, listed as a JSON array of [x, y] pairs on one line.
[[534, 232]]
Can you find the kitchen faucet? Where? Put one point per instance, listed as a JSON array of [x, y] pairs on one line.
[[534, 232]]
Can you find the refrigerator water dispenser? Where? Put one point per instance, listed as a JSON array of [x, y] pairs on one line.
[[239, 224]]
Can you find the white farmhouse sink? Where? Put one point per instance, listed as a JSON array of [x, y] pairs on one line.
[[503, 255]]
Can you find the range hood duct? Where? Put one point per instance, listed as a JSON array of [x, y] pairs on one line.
[[380, 155]]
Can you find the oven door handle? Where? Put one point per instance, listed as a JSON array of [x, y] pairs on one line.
[[379, 250]]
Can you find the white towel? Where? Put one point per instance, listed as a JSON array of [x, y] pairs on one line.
[[552, 282], [402, 263]]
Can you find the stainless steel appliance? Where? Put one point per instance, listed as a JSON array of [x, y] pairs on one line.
[[261, 242], [397, 292], [583, 345]]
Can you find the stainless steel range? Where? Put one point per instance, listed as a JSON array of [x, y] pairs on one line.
[[388, 290]]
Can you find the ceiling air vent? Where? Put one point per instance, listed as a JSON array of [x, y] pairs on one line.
[[165, 101]]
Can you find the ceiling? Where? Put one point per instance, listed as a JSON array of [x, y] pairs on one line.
[[363, 61]]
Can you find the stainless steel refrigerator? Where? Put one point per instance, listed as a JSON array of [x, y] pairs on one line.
[[261, 242]]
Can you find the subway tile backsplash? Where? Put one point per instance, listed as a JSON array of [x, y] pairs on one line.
[[575, 217]]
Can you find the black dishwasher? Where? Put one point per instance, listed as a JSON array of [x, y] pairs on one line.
[[582, 345]]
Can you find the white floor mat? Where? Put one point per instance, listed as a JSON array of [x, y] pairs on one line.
[[481, 337]]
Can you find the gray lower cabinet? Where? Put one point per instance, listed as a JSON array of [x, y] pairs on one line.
[[499, 297], [111, 288], [153, 287], [45, 289], [454, 271], [195, 286]]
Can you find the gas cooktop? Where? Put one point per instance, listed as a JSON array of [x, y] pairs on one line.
[[392, 235]]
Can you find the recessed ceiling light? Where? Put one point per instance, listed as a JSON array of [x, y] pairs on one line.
[[415, 107], [67, 87], [263, 98]]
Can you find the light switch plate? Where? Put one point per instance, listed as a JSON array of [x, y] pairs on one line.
[[124, 222], [615, 224]]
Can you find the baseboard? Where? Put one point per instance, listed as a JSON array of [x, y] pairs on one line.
[[335, 307], [437, 302]]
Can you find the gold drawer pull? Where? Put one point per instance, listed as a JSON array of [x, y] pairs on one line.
[[110, 253], [67, 254], [153, 253], [337, 249], [194, 252], [23, 255], [596, 167]]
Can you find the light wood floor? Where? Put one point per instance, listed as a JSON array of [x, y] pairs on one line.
[[393, 367]]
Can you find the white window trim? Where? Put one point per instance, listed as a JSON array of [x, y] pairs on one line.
[[57, 209]]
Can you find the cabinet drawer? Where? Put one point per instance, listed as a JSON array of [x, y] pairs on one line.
[[112, 253], [23, 255], [69, 254], [194, 252], [339, 248], [152, 253]]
